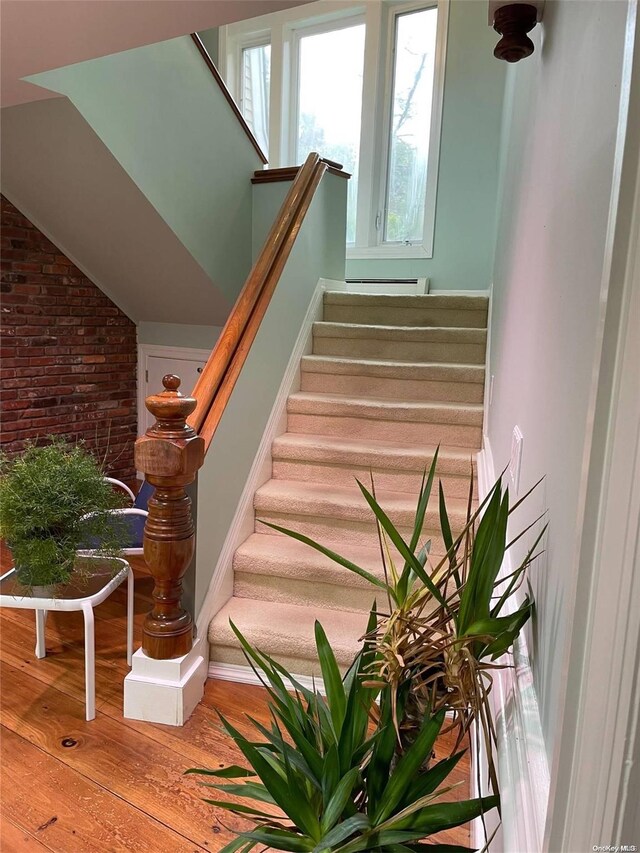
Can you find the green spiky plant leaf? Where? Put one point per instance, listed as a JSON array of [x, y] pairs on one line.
[[322, 780], [449, 619]]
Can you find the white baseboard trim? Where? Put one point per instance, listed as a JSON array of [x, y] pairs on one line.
[[408, 287], [242, 525], [486, 292], [523, 768], [245, 675]]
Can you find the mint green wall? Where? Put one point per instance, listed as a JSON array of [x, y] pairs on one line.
[[159, 111], [267, 199], [178, 335], [467, 183], [318, 252], [210, 40]]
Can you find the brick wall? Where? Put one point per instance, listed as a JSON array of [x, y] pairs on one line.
[[68, 353]]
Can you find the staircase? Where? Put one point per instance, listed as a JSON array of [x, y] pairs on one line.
[[390, 378]]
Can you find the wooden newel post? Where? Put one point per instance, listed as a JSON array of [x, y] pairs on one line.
[[169, 455]]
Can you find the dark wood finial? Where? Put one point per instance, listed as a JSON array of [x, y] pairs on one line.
[[171, 409], [169, 454], [513, 22]]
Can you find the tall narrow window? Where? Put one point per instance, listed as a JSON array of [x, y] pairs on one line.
[[254, 93], [414, 67], [330, 102]]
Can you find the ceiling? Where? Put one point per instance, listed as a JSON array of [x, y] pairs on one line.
[[39, 35]]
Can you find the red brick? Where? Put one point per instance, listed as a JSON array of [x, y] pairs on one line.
[[68, 354], [22, 267]]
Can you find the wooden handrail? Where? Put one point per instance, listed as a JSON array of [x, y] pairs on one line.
[[173, 449], [216, 381], [288, 173], [228, 96]]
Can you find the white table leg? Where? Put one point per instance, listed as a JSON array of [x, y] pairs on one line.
[[130, 599], [41, 618], [89, 661]]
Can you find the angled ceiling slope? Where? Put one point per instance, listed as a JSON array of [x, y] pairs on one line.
[[40, 35], [64, 179]]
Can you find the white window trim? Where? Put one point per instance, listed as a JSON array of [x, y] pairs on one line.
[[284, 30], [423, 248], [293, 35]]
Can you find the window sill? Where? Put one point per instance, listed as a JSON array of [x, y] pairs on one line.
[[357, 253]]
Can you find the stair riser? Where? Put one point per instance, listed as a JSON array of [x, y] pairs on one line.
[[331, 532], [384, 478], [286, 449], [384, 316], [318, 570], [358, 510], [313, 594], [308, 593], [222, 653], [399, 389], [405, 351], [453, 435]]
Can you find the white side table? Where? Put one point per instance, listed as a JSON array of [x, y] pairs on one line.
[[97, 579]]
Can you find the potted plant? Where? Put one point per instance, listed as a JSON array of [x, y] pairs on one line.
[[448, 621], [53, 502], [323, 779]]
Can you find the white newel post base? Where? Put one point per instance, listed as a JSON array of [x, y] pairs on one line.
[[165, 691]]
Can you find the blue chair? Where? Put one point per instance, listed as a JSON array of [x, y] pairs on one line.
[[136, 516]]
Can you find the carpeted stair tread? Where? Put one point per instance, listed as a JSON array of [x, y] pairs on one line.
[[335, 405], [355, 451], [288, 558], [433, 371], [419, 334], [390, 301], [285, 631], [466, 311], [291, 497], [395, 467]]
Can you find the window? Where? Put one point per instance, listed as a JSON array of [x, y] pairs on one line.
[[330, 104], [363, 86], [254, 91], [410, 125]]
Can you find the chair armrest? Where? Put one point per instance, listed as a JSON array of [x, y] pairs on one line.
[[120, 485], [125, 511]]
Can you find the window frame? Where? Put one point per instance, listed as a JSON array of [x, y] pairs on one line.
[[373, 245], [258, 40], [297, 33], [289, 150], [284, 30], [230, 57]]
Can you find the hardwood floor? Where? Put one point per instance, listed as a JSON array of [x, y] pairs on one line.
[[71, 786]]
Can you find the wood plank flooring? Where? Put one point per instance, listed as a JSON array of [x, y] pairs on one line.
[[69, 786]]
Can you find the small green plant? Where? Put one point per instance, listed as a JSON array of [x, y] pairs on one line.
[[325, 779], [53, 501]]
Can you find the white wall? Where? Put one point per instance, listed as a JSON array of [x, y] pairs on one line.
[[559, 148]]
